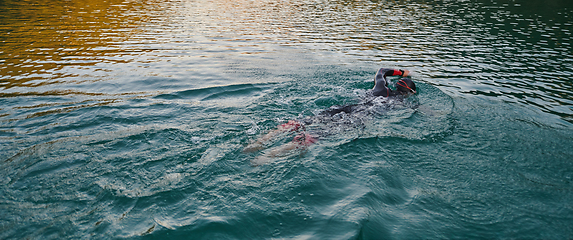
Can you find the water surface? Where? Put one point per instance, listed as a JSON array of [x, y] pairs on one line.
[[127, 119]]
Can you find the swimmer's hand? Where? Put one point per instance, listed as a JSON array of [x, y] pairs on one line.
[[405, 72]]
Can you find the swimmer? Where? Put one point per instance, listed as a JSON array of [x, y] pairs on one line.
[[404, 87]]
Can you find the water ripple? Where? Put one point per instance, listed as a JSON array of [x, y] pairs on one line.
[[121, 119]]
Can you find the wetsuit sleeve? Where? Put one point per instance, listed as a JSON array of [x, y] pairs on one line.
[[383, 72], [381, 84]]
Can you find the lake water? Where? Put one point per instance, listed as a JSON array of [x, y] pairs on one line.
[[128, 119]]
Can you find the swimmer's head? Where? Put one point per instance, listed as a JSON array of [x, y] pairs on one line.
[[406, 85]]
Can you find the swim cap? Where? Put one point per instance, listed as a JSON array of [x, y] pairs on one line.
[[406, 85]]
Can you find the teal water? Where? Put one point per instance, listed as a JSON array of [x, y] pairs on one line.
[[127, 119]]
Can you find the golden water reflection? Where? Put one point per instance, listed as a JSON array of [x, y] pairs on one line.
[[40, 38], [59, 42], [471, 47]]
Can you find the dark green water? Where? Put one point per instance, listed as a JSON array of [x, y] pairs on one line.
[[127, 119]]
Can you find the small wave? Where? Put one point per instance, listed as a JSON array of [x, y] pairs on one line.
[[216, 93]]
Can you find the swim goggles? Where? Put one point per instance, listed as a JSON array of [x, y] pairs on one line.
[[399, 83]]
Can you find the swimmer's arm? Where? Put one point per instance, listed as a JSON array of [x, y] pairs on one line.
[[393, 72], [398, 72], [383, 72]]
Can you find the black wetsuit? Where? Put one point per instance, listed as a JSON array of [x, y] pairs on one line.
[[380, 89], [381, 84], [356, 110]]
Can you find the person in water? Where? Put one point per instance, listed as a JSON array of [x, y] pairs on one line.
[[404, 87]]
